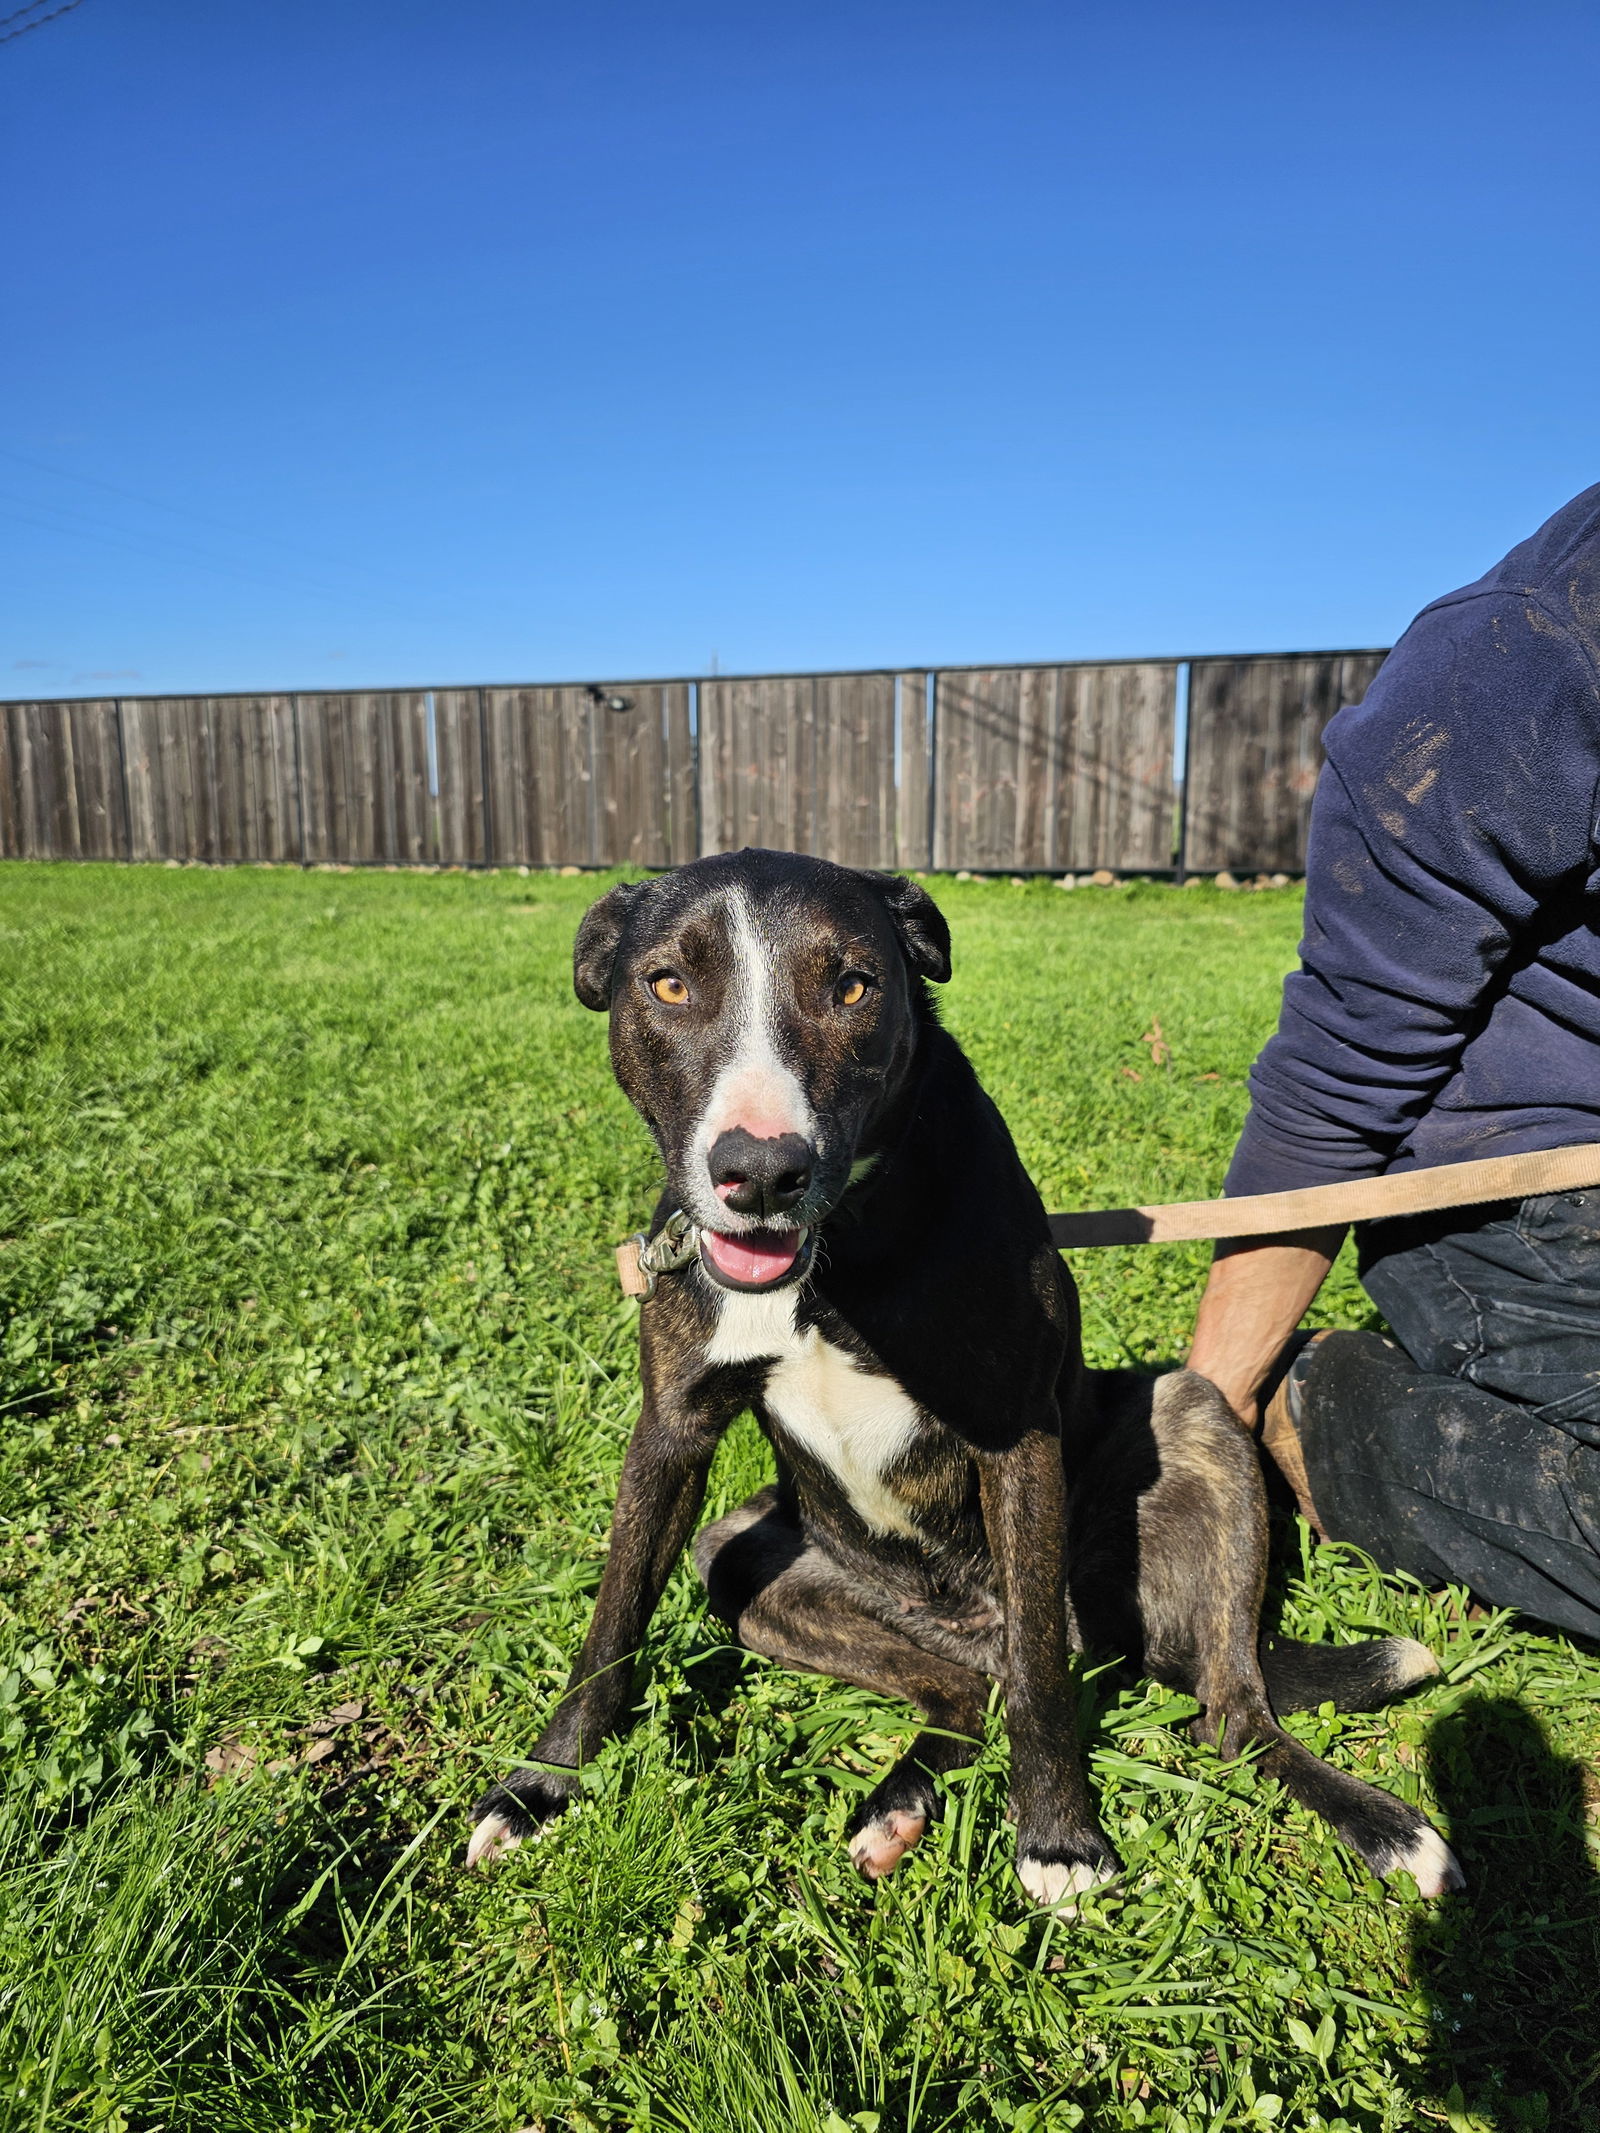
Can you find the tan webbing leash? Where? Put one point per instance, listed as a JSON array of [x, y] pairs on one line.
[[1260, 1214], [1407, 1192]]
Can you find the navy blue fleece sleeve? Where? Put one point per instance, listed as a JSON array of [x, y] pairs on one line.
[[1457, 801]]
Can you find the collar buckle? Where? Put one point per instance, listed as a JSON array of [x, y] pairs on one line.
[[642, 1260]]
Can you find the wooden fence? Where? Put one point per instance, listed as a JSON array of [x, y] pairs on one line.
[[1012, 769], [1055, 767], [1255, 749]]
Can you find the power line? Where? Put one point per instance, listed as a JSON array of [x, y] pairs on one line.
[[146, 536], [11, 36], [149, 543], [134, 545], [192, 517]]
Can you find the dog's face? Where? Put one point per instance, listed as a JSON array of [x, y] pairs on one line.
[[764, 1010]]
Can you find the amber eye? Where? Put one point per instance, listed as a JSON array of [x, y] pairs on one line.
[[851, 989], [669, 988]]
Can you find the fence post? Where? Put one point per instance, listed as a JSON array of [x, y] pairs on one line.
[[811, 774], [299, 779], [696, 711], [1185, 669], [122, 776], [489, 859], [931, 729]]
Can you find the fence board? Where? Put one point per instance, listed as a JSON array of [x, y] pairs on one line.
[[1038, 779], [856, 813], [1045, 767], [630, 780], [1115, 802], [258, 801], [510, 773], [364, 778], [1255, 749], [48, 790], [627, 777], [61, 782], [809, 764], [11, 832], [96, 734], [540, 752], [913, 782], [978, 728], [138, 779], [513, 800], [166, 779], [515, 818], [210, 778], [757, 767], [246, 752], [643, 762], [409, 817], [683, 774], [319, 724], [235, 810], [460, 829]]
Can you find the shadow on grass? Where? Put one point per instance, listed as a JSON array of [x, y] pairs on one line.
[[1512, 1969]]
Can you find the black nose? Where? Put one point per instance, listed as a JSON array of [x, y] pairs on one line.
[[759, 1177]]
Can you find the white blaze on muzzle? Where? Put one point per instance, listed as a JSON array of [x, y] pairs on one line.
[[756, 1088]]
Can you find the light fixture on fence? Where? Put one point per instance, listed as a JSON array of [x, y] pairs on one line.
[[606, 700]]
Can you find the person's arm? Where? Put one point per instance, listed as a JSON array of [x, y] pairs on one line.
[[1258, 1292], [1456, 809], [1455, 801]]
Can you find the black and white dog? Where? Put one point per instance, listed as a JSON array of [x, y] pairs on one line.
[[865, 1263]]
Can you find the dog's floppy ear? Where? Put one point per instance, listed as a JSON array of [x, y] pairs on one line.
[[920, 924], [594, 952]]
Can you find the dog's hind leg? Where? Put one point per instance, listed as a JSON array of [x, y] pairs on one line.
[[1199, 1529], [790, 1602]]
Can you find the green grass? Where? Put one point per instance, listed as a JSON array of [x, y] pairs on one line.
[[314, 1384]]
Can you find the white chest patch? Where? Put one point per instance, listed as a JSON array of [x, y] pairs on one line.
[[855, 1425]]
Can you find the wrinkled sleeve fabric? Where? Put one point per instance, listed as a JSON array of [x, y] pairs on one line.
[[1456, 801]]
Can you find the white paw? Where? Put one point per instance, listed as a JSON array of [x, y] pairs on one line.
[[1057, 1885], [879, 1848], [1431, 1865], [491, 1840]]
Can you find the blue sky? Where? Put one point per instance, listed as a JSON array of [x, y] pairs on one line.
[[351, 343]]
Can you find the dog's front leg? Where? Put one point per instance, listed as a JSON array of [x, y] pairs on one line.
[[1061, 1850], [658, 1500]]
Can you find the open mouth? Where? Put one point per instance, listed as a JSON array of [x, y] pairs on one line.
[[756, 1258]]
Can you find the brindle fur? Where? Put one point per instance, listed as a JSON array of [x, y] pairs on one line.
[[1054, 1507]]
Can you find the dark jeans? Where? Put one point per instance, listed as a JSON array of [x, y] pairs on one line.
[[1470, 1454]]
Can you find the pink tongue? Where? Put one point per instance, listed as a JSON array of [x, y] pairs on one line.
[[763, 1255]]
